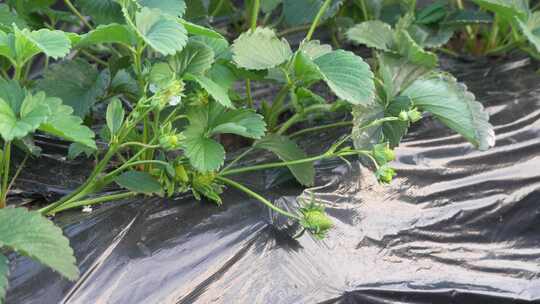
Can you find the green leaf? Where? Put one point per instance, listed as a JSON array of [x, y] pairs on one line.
[[64, 124], [12, 93], [314, 49], [220, 46], [54, 44], [161, 74], [16, 125], [409, 49], [260, 50], [222, 75], [365, 138], [453, 105], [110, 33], [397, 73], [241, 122], [176, 8], [8, 17], [4, 274], [305, 69], [21, 45], [32, 235], [195, 58], [115, 115], [374, 34], [205, 154], [199, 30], [287, 150], [76, 149], [507, 9], [214, 119], [531, 29], [348, 76], [76, 82], [430, 37], [163, 33], [140, 182], [101, 11], [220, 94]]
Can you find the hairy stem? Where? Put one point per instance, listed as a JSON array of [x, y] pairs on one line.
[[87, 186], [238, 158], [74, 10], [257, 197], [293, 162], [249, 96], [18, 172], [300, 116], [324, 127], [94, 201], [255, 14], [318, 17], [5, 174]]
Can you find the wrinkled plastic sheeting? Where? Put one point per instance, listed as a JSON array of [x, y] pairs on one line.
[[456, 226]]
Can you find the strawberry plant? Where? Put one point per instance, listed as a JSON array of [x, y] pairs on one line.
[[515, 26], [160, 92]]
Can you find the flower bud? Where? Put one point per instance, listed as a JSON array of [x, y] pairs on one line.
[[385, 174], [403, 116], [181, 174], [414, 115], [171, 142], [383, 154], [315, 220]]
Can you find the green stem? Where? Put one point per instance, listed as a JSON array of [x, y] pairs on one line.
[[293, 30], [277, 107], [238, 158], [448, 52], [255, 14], [92, 181], [319, 128], [109, 176], [135, 143], [87, 186], [253, 26], [74, 10], [506, 47], [94, 58], [5, 173], [257, 197], [18, 172], [297, 117], [293, 162], [494, 33], [249, 96], [94, 201], [17, 72], [218, 8], [315, 23], [144, 162], [364, 9]]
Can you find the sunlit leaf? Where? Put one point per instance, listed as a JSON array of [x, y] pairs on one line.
[[260, 50], [348, 76], [30, 234]]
